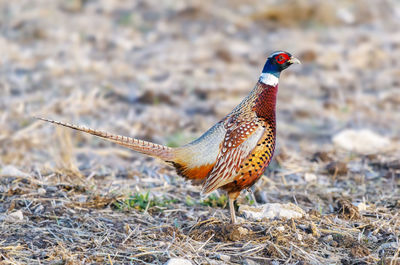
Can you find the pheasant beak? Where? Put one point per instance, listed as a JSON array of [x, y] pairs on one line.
[[293, 60]]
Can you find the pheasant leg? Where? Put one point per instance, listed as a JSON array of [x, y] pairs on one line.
[[232, 210]]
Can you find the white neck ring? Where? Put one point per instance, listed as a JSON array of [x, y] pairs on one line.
[[269, 79]]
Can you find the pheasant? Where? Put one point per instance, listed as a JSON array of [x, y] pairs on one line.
[[231, 155]]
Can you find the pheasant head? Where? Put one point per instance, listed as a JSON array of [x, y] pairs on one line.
[[275, 64]]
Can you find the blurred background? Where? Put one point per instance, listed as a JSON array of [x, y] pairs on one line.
[[166, 71]]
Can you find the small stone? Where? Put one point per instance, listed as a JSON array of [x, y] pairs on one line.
[[41, 191], [271, 211], [364, 141], [223, 257], [327, 239], [39, 209], [299, 237], [81, 199], [15, 217], [280, 228], [51, 189], [11, 171], [178, 261], [361, 206], [345, 16], [310, 177], [337, 168]]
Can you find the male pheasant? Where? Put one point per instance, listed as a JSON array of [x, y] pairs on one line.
[[231, 155]]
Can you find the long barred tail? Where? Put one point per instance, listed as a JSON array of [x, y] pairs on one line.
[[164, 152]]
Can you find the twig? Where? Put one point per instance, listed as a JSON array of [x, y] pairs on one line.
[[205, 243], [109, 259]]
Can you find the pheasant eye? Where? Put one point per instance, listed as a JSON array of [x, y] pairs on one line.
[[282, 58]]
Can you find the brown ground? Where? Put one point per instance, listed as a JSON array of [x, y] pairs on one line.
[[166, 71]]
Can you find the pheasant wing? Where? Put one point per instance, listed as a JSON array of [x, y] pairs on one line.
[[240, 139]]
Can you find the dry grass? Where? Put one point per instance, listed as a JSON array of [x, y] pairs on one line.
[[68, 223], [166, 72]]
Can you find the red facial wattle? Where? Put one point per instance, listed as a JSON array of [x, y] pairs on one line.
[[282, 58]]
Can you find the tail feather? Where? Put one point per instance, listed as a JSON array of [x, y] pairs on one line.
[[164, 152]]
